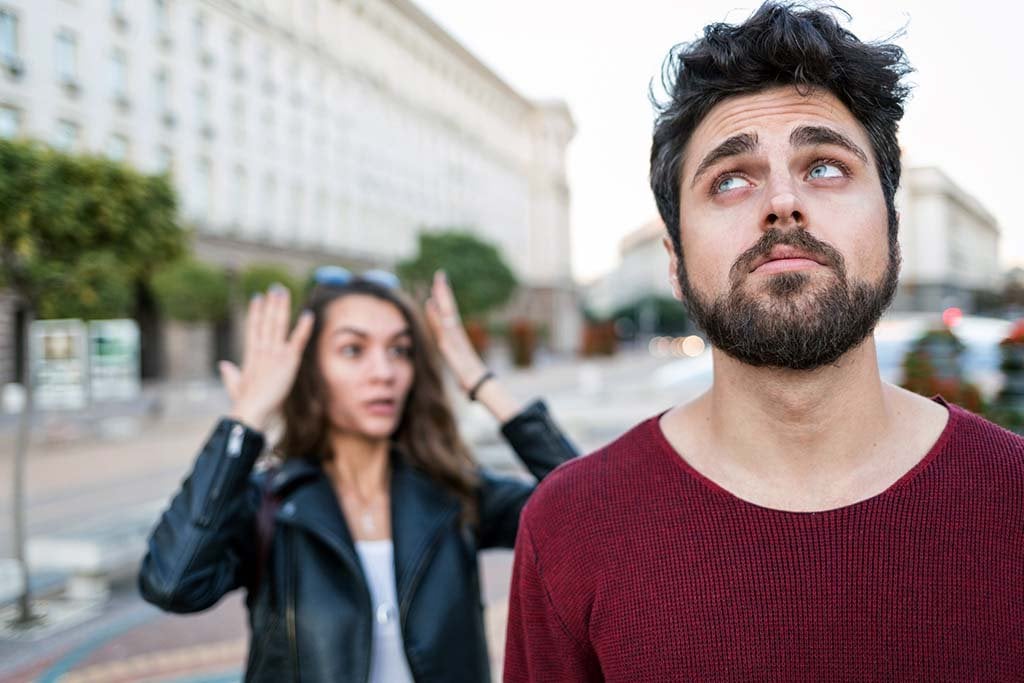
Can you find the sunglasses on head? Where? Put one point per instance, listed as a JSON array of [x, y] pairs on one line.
[[336, 276]]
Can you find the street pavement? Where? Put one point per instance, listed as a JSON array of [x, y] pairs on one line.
[[86, 484]]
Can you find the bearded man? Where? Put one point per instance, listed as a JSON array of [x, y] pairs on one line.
[[802, 520]]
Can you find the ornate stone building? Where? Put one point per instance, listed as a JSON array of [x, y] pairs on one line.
[[302, 131]]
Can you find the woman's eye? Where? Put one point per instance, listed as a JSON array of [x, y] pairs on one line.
[[401, 351], [823, 170], [349, 351], [731, 183]]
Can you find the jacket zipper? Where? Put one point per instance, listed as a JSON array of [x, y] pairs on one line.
[[293, 641], [233, 450]]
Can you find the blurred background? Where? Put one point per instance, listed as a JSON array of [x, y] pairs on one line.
[[163, 160]]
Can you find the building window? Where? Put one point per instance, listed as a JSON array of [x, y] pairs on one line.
[[202, 40], [119, 12], [67, 58], [161, 18], [66, 136], [10, 122], [164, 160], [119, 75], [203, 110], [237, 55], [117, 147], [8, 36], [199, 27], [202, 104], [163, 91]]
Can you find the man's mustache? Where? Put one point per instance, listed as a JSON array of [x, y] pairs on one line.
[[798, 239]]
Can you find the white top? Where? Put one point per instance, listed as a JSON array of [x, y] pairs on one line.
[[387, 663]]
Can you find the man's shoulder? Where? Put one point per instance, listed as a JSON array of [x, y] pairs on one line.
[[981, 455], [971, 433], [588, 487]]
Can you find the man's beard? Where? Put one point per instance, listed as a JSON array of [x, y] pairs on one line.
[[786, 325]]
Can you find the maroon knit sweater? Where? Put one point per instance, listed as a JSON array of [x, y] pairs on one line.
[[632, 566]]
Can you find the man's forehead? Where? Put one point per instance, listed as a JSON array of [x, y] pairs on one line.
[[782, 109]]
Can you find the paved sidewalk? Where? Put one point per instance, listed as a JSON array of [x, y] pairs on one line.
[[136, 642]]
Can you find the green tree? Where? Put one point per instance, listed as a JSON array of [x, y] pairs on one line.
[[654, 314], [98, 287], [191, 291], [479, 276], [258, 278], [76, 233]]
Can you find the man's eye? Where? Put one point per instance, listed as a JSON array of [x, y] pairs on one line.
[[825, 170], [732, 182]]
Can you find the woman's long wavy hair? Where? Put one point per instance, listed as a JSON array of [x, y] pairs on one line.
[[426, 437]]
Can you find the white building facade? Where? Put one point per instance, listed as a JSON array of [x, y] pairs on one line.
[[302, 131], [949, 242]]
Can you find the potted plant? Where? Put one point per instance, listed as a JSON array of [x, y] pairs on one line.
[[522, 337]]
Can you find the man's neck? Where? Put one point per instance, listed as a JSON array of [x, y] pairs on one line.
[[804, 440]]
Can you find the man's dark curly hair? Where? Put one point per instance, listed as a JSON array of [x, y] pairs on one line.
[[780, 44]]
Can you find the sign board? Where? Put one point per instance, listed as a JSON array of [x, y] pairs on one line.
[[114, 369], [59, 364]]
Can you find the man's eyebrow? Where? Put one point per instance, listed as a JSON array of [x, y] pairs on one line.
[[805, 136], [744, 143]]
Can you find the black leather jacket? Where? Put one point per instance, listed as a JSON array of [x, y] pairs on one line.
[[309, 605]]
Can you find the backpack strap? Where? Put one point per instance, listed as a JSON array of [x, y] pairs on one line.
[[269, 504]]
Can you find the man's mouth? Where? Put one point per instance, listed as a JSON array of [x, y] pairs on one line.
[[786, 258]]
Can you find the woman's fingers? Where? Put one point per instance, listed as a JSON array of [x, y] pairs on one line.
[[300, 335], [253, 323], [269, 323], [442, 294], [231, 376], [433, 317], [281, 316]]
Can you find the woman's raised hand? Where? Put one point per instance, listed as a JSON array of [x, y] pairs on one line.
[[270, 358], [443, 317]]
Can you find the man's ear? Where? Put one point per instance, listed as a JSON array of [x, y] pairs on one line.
[[673, 268]]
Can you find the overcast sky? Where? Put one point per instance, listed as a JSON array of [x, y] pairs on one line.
[[965, 115]]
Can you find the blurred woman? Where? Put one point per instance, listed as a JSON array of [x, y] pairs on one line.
[[358, 553]]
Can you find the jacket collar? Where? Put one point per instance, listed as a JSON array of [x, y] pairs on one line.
[[420, 512]]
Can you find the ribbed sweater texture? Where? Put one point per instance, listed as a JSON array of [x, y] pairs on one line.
[[632, 566]]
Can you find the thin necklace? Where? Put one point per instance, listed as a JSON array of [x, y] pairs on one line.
[[366, 520]]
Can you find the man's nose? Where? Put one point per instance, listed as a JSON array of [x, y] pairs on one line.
[[784, 210]]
